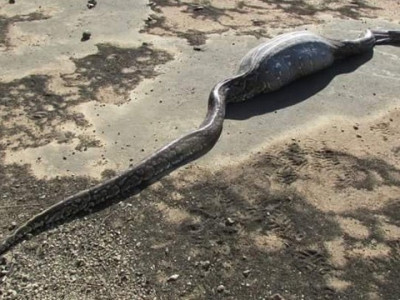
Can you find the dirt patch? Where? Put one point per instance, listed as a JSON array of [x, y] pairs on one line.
[[391, 232], [247, 227], [31, 114], [194, 19], [109, 75], [353, 228], [36, 111], [6, 22]]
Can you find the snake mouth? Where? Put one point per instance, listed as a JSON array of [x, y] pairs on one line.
[[386, 37]]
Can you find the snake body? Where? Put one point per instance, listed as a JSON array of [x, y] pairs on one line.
[[265, 68]]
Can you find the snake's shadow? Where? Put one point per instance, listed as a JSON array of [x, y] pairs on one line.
[[295, 92]]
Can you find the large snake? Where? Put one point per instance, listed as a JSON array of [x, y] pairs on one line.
[[265, 68]]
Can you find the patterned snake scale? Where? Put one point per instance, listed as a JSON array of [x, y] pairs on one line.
[[266, 68]]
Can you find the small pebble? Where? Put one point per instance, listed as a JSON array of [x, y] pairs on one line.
[[39, 114], [220, 288], [3, 273], [246, 273], [11, 1], [230, 221], [3, 261], [173, 277], [86, 36], [117, 257], [13, 225], [91, 4], [277, 297], [205, 264], [79, 263]]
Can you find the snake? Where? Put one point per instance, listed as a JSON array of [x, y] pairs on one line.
[[266, 68]]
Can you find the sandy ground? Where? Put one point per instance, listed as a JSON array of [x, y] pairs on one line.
[[298, 200]]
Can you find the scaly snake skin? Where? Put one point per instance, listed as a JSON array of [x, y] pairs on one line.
[[265, 68]]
